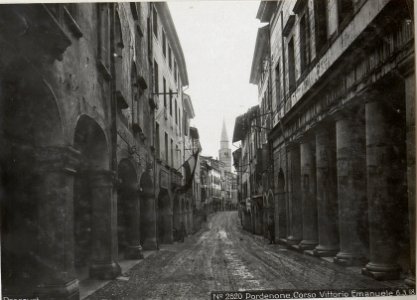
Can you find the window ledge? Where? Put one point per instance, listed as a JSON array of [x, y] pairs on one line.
[[121, 100], [104, 70], [72, 24], [140, 31]]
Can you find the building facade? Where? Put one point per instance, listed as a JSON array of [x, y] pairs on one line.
[[341, 136], [86, 176]]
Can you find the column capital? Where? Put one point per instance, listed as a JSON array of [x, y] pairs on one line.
[[370, 95], [293, 144], [56, 158], [307, 137]]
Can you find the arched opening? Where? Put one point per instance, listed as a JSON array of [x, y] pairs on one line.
[[90, 141], [128, 212], [32, 128], [164, 218], [281, 207]]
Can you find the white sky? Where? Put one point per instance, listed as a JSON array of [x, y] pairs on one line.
[[218, 40]]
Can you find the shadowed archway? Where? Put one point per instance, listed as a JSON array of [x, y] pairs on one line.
[[37, 176], [94, 234]]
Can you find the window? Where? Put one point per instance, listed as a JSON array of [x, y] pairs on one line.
[[304, 42], [156, 77], [170, 102], [72, 9], [179, 119], [118, 48], [345, 10], [164, 44], [149, 33], [157, 140], [166, 147], [291, 65], [175, 71], [134, 10], [320, 17], [172, 152], [155, 22], [104, 37], [165, 91], [169, 57], [176, 116], [135, 95], [177, 153]]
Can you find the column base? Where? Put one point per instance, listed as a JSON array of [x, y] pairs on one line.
[[150, 244], [291, 240], [105, 270], [134, 252], [68, 291], [282, 241], [325, 251], [382, 271], [349, 259], [410, 281], [307, 245]]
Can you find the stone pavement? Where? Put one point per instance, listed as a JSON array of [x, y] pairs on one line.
[[224, 257]]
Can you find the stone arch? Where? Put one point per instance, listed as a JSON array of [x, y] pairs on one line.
[[93, 212], [165, 234], [90, 139], [128, 211], [281, 207], [33, 183], [147, 212]]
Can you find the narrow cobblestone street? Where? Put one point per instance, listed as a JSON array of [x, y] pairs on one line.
[[224, 257]]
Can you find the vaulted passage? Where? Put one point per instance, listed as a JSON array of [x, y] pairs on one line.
[[94, 212], [37, 176]]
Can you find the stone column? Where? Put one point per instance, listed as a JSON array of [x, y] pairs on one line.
[[411, 172], [381, 201], [281, 207], [308, 196], [149, 222], [168, 232], [54, 194], [295, 211], [104, 225], [133, 249], [326, 192], [351, 187]]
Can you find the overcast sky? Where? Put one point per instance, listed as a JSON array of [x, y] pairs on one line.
[[218, 40]]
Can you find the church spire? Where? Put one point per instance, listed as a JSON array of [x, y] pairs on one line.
[[224, 139], [225, 152]]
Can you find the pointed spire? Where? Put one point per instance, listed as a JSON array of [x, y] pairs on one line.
[[224, 137]]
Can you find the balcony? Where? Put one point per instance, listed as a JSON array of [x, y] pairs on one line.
[[36, 30]]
